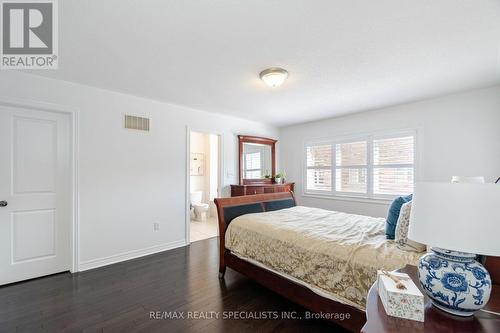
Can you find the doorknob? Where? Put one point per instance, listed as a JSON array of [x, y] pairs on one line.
[[3, 203]]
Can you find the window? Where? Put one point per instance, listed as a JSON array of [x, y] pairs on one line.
[[253, 168], [370, 167], [393, 165], [351, 167], [319, 163]]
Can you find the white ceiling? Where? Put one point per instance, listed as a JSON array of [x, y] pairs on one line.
[[343, 56]]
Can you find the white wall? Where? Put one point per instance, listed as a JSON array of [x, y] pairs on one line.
[[458, 135], [129, 180], [213, 171]]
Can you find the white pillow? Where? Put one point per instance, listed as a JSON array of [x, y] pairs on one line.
[[402, 231]]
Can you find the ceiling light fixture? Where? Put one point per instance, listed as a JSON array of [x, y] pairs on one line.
[[274, 77]]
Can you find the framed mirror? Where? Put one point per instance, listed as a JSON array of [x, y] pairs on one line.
[[257, 159]]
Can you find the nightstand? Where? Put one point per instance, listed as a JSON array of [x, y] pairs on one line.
[[436, 321]]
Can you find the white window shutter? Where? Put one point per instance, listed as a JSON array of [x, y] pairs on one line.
[[371, 167], [393, 165]]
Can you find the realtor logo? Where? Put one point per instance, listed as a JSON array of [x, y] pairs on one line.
[[29, 34]]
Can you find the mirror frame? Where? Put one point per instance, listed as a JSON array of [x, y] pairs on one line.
[[256, 139]]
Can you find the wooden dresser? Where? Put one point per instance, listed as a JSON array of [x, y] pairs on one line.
[[260, 188]]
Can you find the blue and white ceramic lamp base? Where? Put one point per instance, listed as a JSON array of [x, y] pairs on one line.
[[454, 281]]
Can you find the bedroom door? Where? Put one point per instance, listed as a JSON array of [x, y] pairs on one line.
[[35, 193]]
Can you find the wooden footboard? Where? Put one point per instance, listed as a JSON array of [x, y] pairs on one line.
[[341, 314], [230, 208]]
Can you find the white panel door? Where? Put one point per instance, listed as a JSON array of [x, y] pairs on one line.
[[35, 193]]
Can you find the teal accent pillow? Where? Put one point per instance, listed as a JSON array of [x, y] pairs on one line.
[[393, 215]]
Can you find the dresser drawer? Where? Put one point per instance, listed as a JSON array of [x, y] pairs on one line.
[[239, 190]]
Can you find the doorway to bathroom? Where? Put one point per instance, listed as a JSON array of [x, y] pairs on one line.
[[204, 184]]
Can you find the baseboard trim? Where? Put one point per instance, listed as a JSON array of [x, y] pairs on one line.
[[95, 263]]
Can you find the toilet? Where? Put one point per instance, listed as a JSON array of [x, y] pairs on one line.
[[200, 209]]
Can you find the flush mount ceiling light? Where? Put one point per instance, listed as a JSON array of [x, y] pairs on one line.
[[274, 77]]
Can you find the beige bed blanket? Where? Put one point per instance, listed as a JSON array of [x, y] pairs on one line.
[[331, 252]]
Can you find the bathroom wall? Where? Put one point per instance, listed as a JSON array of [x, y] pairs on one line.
[[200, 144], [208, 145]]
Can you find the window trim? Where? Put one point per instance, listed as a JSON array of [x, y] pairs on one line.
[[369, 138]]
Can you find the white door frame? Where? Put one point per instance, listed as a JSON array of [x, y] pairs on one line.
[[74, 209], [188, 178]]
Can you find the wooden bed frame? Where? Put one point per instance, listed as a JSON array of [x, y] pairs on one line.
[[230, 208]]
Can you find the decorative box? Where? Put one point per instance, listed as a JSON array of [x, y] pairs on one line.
[[403, 303]]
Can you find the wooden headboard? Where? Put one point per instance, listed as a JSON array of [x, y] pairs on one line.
[[230, 208]]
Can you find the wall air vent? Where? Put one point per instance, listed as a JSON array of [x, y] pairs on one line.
[[137, 123]]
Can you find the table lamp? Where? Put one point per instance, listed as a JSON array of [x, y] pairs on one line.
[[458, 221]]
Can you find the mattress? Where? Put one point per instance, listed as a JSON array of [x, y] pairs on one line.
[[335, 254]]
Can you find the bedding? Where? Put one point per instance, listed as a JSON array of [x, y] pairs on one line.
[[402, 231], [333, 253], [393, 215]]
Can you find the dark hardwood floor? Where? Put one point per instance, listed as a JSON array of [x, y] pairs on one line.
[[121, 297]]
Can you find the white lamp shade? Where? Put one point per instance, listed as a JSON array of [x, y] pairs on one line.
[[457, 216], [460, 179]]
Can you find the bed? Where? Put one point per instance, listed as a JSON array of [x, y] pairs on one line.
[[325, 261]]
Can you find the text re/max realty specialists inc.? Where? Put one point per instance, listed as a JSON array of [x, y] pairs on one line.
[[244, 315]]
